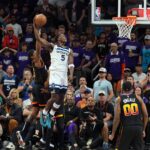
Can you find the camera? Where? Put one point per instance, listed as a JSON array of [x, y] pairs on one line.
[[8, 101]]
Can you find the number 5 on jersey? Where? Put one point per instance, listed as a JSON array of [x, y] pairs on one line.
[[8, 87], [62, 57]]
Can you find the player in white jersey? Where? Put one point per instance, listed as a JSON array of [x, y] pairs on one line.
[[59, 67], [61, 60]]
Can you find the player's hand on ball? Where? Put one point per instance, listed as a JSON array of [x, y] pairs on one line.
[[111, 137], [40, 20], [34, 25]]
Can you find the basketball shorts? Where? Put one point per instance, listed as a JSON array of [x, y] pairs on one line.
[[58, 81], [39, 99], [131, 136]]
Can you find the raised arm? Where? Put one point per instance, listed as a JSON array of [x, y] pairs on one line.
[[3, 49], [13, 50], [81, 17], [38, 49], [39, 39]]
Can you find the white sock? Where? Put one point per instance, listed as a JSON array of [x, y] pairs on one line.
[[56, 106], [52, 112], [51, 145], [44, 112]]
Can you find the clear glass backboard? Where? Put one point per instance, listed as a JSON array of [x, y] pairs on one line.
[[104, 10]]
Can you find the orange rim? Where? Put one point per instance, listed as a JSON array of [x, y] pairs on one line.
[[131, 20]]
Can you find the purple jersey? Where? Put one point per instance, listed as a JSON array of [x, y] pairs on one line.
[[30, 40], [23, 62], [114, 65], [88, 55], [78, 55], [121, 41], [135, 47]]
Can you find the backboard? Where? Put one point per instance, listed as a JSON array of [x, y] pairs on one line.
[[104, 10]]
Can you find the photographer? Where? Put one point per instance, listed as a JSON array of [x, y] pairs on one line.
[[92, 124]]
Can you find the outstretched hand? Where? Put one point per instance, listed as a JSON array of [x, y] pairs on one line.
[[111, 137], [34, 25], [36, 28]]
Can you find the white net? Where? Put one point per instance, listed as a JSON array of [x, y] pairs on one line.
[[125, 25]]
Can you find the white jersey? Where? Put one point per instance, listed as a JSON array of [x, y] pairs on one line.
[[59, 67], [59, 59]]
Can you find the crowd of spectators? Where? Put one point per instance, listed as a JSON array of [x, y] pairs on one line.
[[103, 62]]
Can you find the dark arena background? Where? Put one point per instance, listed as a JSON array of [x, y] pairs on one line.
[[76, 79]]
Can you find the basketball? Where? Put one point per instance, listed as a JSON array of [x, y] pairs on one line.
[[40, 20]]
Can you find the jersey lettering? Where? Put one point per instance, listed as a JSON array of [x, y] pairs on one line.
[[130, 109], [59, 58], [8, 87]]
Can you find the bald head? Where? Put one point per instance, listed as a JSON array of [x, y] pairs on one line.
[[114, 47], [114, 44]]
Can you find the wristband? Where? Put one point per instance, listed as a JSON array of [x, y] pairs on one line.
[[71, 65]]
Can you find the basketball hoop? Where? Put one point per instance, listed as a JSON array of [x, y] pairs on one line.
[[125, 25]]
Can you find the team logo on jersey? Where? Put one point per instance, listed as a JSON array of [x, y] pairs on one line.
[[127, 100]]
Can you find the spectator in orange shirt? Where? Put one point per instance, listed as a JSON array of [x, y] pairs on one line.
[[10, 40], [84, 96]]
